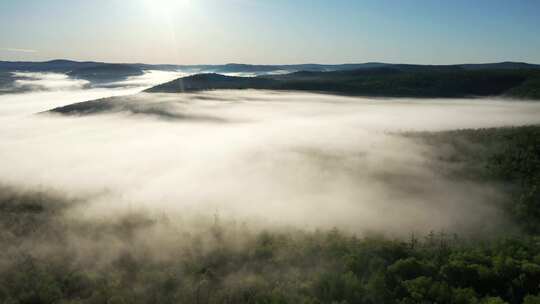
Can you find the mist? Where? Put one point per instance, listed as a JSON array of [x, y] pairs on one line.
[[269, 159], [49, 90]]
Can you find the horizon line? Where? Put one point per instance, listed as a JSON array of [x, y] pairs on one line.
[[266, 64]]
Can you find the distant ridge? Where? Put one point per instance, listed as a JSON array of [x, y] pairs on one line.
[[513, 79], [63, 65], [386, 81]]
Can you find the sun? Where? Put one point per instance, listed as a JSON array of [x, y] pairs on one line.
[[165, 6]]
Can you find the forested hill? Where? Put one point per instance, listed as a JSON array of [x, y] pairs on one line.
[[62, 65], [387, 81], [42, 261], [512, 79], [106, 72]]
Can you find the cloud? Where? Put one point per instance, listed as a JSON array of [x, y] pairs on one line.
[[16, 50], [282, 159], [47, 81], [50, 90]]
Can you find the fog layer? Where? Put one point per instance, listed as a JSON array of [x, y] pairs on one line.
[[277, 159]]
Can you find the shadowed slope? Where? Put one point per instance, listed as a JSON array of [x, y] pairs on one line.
[[132, 105], [201, 82], [394, 81]]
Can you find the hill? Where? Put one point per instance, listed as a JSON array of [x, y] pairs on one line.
[[59, 65], [62, 65], [106, 72], [386, 81], [511, 79], [212, 81]]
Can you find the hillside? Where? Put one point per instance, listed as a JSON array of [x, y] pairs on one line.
[[62, 65], [511, 79], [394, 81], [106, 72], [202, 82], [509, 156], [226, 262]]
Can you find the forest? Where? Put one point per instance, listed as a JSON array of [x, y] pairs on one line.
[[386, 81], [49, 257]]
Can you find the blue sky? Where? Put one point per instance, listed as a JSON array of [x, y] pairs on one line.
[[271, 31]]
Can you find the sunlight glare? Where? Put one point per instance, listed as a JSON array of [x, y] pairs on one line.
[[165, 7]]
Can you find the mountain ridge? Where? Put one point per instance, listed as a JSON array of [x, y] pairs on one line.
[[397, 81], [66, 65]]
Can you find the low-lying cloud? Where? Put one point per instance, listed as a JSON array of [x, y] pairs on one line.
[[17, 50], [50, 90], [47, 81], [275, 158]]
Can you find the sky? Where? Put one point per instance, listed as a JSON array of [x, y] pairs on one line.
[[271, 31]]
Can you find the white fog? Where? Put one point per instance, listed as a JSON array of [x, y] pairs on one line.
[[278, 159]]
